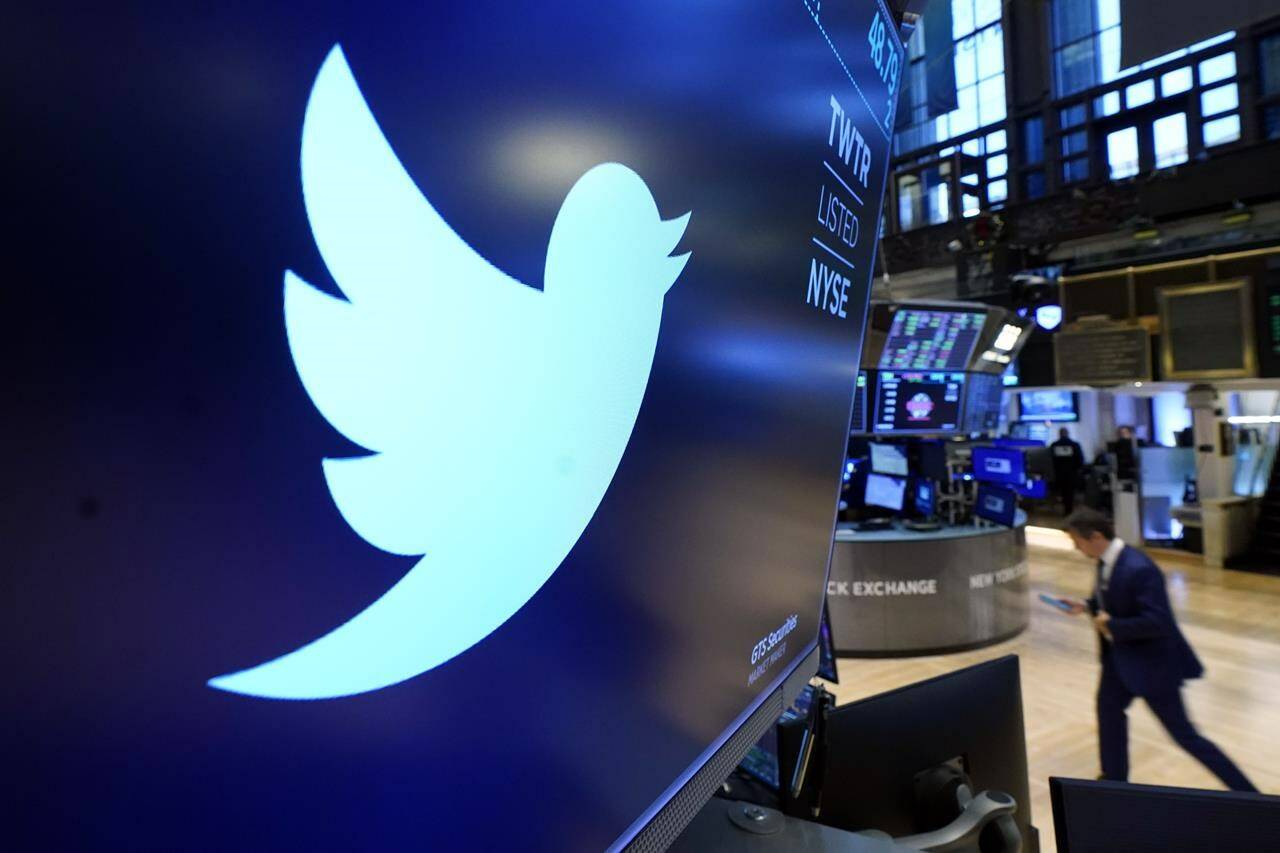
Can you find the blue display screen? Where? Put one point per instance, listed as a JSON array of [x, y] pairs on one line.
[[1049, 405], [924, 500], [996, 504], [1000, 465], [391, 385]]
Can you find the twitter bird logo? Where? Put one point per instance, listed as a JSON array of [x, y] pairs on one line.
[[447, 370]]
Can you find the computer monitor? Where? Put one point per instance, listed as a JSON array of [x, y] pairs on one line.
[[887, 492], [982, 401], [933, 461], [999, 465], [397, 343], [1034, 488], [924, 339], [918, 402], [996, 504], [877, 746], [858, 422], [1092, 816], [1048, 405], [889, 459], [924, 498], [827, 648]]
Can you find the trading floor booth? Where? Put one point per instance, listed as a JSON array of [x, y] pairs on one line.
[[930, 552]]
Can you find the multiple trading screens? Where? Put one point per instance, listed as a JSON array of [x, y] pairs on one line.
[[931, 340], [919, 402], [1048, 405], [1006, 465]]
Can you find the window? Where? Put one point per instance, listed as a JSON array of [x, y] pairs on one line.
[[1075, 143], [1271, 122], [1106, 105], [1086, 47], [1220, 100], [997, 191], [1033, 184], [1176, 82], [977, 54], [1122, 153], [1033, 140], [1218, 68], [1075, 170], [1140, 93], [997, 165], [924, 197], [1269, 65], [1221, 131], [1071, 116], [1170, 135]]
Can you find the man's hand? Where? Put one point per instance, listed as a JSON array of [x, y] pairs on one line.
[[1100, 623], [1076, 607]]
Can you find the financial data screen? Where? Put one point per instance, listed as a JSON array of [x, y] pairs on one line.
[[931, 340], [919, 402]]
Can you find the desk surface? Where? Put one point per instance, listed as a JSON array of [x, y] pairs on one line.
[[846, 533]]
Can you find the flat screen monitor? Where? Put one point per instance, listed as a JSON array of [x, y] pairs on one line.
[[982, 402], [1050, 405], [933, 461], [827, 648], [1034, 488], [924, 498], [1092, 816], [858, 423], [999, 465], [922, 339], [886, 492], [889, 459], [878, 746], [996, 504], [334, 270], [920, 403]]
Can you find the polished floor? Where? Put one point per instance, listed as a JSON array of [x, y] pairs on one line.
[[1232, 619]]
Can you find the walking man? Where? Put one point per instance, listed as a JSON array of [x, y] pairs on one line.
[[1068, 459], [1143, 652]]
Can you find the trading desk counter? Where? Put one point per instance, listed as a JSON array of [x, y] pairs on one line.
[[904, 592]]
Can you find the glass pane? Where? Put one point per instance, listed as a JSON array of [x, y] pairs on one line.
[[1108, 13], [1033, 185], [1269, 64], [1122, 153], [985, 12], [1271, 122], [939, 203], [970, 205], [1075, 143], [1107, 105], [997, 191], [1222, 130], [1109, 56], [961, 18], [990, 52], [1140, 93], [1075, 170], [1170, 134], [1071, 116], [1219, 100], [971, 179], [995, 142], [909, 202], [1175, 82], [966, 62], [991, 102], [965, 116], [973, 146], [1074, 68], [1033, 140], [1072, 20], [997, 165], [1218, 68]]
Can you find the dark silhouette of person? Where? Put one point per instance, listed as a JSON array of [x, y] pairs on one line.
[[1142, 649], [1068, 460]]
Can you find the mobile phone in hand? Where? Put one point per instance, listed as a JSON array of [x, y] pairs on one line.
[[1062, 604]]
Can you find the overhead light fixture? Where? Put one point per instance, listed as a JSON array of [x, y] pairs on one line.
[[1049, 317], [1137, 385], [1254, 419]]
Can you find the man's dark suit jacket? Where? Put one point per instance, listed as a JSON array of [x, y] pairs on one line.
[[1148, 650]]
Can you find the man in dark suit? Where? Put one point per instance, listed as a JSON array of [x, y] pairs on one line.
[[1143, 652], [1068, 459]]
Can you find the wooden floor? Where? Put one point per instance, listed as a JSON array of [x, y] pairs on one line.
[[1232, 619]]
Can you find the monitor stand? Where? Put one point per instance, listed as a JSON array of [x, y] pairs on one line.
[[731, 826]]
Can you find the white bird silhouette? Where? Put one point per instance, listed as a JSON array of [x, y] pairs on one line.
[[470, 389]]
